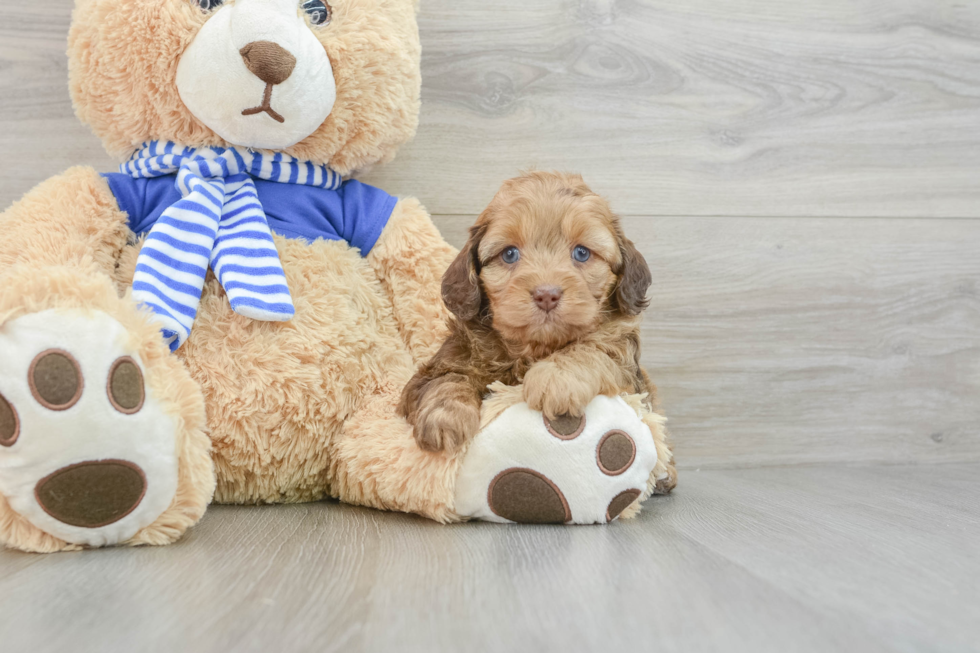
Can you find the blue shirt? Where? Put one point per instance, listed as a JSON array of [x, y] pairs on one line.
[[355, 212]]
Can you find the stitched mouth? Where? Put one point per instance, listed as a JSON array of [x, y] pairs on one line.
[[265, 107]]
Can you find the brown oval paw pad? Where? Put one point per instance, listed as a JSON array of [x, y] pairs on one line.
[[565, 427], [526, 496], [615, 453], [620, 503], [125, 386], [55, 379], [9, 423], [92, 494]]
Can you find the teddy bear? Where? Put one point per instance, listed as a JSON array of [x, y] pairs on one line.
[[232, 316]]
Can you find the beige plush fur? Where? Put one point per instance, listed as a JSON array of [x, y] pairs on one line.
[[305, 410], [123, 59], [295, 411], [27, 290], [60, 241], [662, 479]]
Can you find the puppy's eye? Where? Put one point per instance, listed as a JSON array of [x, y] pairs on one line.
[[581, 253], [208, 5], [510, 255], [318, 10]]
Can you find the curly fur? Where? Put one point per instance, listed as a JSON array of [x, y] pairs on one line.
[[589, 344]]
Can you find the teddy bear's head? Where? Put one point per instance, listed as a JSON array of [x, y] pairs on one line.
[[334, 82]]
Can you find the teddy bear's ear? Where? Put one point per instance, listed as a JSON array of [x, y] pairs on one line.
[[461, 291]]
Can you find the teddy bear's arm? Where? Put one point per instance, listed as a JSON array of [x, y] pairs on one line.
[[409, 260], [71, 219]]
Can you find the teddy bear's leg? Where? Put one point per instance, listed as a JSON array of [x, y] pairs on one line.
[[377, 463], [101, 430], [519, 467], [522, 467], [663, 478], [410, 258]]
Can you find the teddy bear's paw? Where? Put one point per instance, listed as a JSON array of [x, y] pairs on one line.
[[523, 467], [87, 453]]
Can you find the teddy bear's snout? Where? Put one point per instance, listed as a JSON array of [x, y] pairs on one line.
[[268, 61]]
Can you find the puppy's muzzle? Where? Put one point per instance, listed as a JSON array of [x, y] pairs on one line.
[[546, 297]]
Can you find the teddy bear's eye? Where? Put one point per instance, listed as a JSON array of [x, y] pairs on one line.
[[318, 11], [208, 5]]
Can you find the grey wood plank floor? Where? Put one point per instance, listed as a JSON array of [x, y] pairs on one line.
[[821, 558]]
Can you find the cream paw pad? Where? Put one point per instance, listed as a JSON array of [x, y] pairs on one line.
[[87, 454], [524, 468]]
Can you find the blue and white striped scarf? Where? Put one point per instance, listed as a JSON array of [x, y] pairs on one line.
[[218, 222]]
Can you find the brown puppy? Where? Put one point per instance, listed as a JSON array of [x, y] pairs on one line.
[[546, 292]]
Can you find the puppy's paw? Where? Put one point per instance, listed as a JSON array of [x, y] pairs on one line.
[[446, 426], [557, 391]]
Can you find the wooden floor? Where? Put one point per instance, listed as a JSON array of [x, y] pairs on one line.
[[819, 558], [804, 179]]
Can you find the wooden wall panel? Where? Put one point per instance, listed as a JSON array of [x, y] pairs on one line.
[[790, 340], [712, 107]]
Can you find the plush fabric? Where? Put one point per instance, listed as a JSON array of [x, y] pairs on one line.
[[76, 287], [218, 221], [90, 430], [578, 469], [115, 59], [355, 212], [287, 83]]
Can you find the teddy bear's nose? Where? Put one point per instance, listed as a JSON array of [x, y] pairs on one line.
[[268, 61]]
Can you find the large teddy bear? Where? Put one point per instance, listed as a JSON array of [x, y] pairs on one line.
[[230, 316]]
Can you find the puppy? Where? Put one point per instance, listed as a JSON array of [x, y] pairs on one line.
[[546, 292]]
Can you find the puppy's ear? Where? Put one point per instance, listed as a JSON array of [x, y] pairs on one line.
[[461, 283], [634, 279]]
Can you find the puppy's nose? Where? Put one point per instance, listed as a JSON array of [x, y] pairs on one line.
[[547, 297], [268, 61]]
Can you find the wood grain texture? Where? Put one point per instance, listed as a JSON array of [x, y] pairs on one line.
[[39, 133], [808, 559], [749, 107], [752, 107], [784, 341]]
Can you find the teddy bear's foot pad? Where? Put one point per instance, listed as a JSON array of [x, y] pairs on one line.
[[86, 453], [525, 468]]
